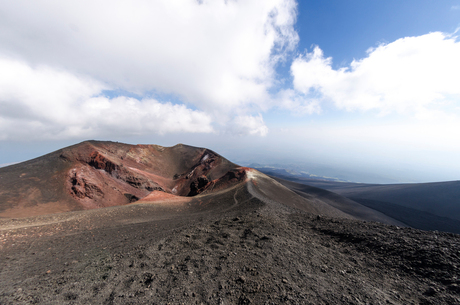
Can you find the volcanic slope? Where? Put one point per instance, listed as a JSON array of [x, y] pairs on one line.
[[438, 198], [96, 174], [244, 244], [426, 206], [242, 239]]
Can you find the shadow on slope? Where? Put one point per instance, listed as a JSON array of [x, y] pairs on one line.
[[412, 217], [346, 205], [426, 206]]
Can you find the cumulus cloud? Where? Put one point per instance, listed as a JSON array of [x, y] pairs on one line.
[[46, 103], [217, 56], [409, 75]]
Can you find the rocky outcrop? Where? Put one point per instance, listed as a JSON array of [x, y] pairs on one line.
[[98, 161], [96, 170], [82, 188], [198, 186]]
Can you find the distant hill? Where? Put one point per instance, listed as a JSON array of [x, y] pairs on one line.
[[426, 206]]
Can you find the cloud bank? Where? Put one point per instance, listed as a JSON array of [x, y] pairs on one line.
[[51, 104], [216, 57], [410, 75]]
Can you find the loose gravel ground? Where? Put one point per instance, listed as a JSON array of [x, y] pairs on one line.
[[229, 249]]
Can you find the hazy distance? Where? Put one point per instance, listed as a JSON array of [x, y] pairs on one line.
[[340, 163]]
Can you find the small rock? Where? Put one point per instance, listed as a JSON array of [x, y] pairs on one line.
[[454, 288], [431, 291]]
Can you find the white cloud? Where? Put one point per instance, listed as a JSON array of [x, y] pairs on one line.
[[44, 103], [249, 125], [409, 75], [218, 55], [297, 102]]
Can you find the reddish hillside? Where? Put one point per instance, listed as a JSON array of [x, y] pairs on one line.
[[96, 174]]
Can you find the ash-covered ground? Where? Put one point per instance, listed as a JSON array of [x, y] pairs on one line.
[[229, 248]]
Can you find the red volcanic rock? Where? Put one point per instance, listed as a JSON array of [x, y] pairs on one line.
[[230, 178], [97, 160], [82, 187], [97, 174], [198, 185], [160, 197]]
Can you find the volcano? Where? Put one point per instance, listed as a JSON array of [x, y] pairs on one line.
[[112, 223], [95, 174]]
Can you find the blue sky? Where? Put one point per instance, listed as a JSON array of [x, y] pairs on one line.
[[346, 29], [367, 90]]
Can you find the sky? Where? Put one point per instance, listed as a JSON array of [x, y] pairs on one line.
[[367, 91]]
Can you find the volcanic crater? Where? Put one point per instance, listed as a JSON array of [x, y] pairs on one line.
[[103, 174]]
